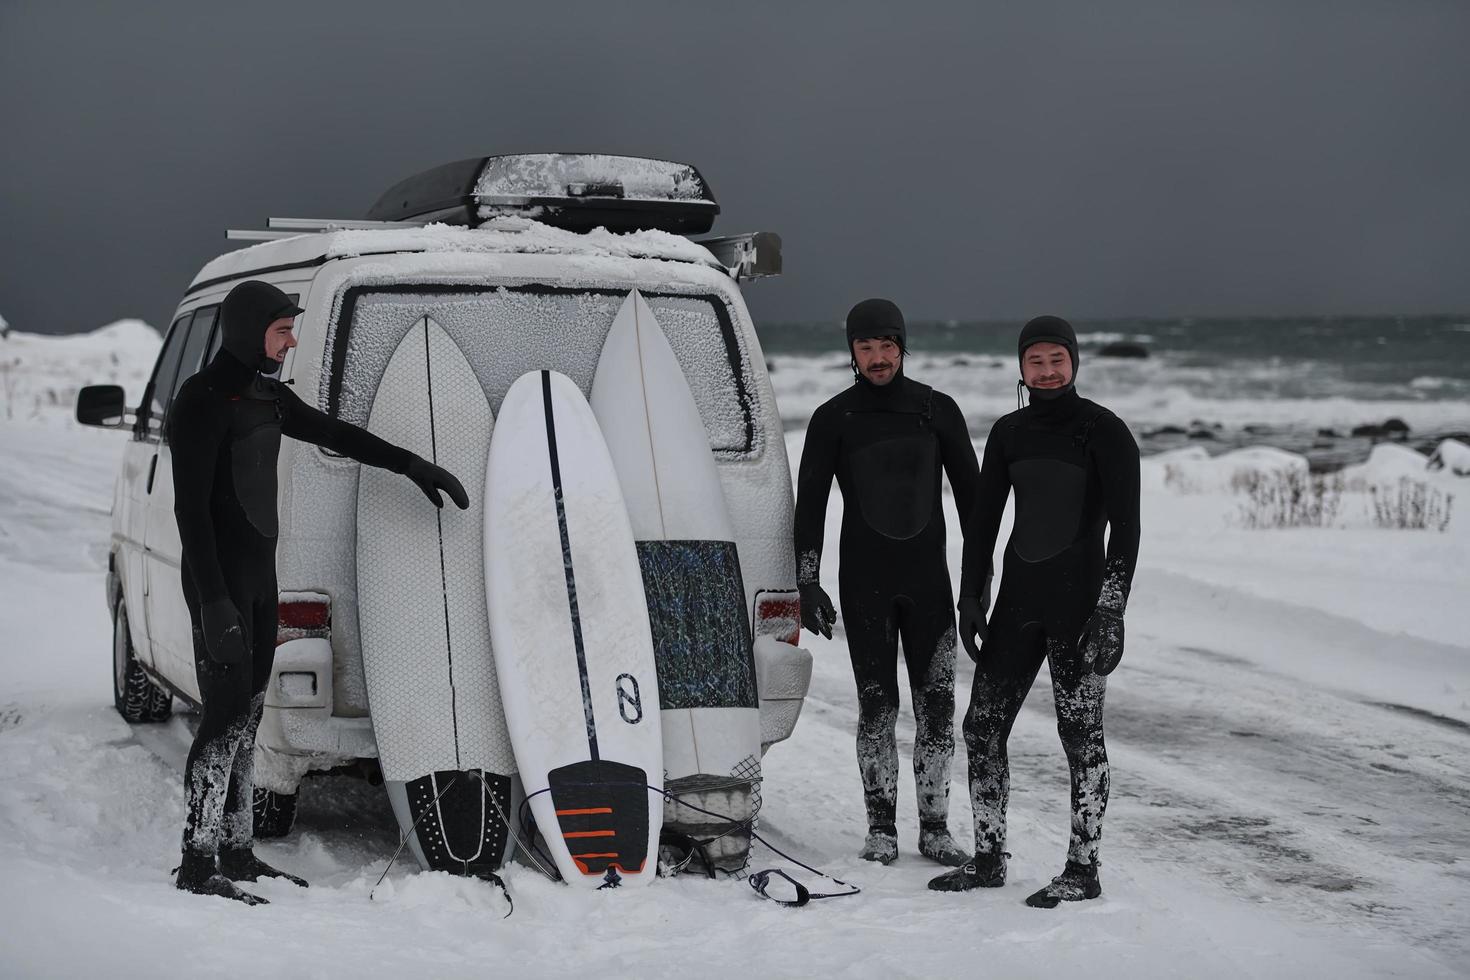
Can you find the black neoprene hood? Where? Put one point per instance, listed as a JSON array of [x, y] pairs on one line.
[[876, 318], [247, 311], [1048, 330]]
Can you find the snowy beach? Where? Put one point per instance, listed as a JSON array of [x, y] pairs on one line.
[[1288, 733]]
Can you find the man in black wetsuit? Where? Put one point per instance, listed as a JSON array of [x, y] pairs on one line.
[[225, 429], [1074, 468], [886, 439]]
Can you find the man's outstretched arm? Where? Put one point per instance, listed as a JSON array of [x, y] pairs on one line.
[[301, 421]]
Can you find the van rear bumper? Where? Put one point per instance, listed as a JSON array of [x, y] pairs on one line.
[[782, 675], [298, 717]]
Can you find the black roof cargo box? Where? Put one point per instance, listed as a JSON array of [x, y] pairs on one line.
[[575, 191]]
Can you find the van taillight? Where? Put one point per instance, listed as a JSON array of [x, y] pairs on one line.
[[778, 614], [301, 615]]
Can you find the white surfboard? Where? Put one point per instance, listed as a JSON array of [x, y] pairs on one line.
[[432, 688], [572, 644], [691, 577]]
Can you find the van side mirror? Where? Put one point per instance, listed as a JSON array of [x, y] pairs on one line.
[[102, 406]]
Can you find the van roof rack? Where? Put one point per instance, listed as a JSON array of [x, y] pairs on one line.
[[574, 191], [291, 227]]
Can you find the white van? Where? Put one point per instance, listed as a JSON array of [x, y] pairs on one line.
[[524, 260]]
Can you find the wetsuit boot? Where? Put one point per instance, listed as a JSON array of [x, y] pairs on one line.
[[937, 844], [984, 871], [1076, 883], [241, 864], [881, 845], [198, 874]]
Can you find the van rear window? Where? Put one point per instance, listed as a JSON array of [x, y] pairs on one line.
[[509, 330]]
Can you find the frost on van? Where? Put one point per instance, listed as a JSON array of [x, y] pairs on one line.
[[514, 234], [507, 331], [709, 356]]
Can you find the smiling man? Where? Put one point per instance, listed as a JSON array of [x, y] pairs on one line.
[[225, 430], [886, 439], [1074, 468]]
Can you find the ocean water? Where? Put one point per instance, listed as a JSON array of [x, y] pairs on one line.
[[1297, 383]]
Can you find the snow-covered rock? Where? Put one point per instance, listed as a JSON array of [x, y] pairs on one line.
[[1193, 470], [1451, 456], [1387, 464]]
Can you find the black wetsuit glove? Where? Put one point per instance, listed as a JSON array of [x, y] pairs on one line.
[[224, 631], [1101, 642], [817, 614], [972, 628], [431, 479]]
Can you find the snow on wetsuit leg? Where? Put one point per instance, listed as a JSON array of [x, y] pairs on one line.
[[928, 651], [218, 783], [872, 646], [1009, 664], [927, 629], [1079, 695]]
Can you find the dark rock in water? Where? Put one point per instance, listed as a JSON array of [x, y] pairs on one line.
[[1202, 434], [1323, 444], [1328, 434], [1257, 430], [1168, 430], [1123, 349], [959, 361], [1391, 429]]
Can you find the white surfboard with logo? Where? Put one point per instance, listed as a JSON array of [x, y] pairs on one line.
[[573, 650]]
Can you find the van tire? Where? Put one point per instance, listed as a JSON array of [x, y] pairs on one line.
[[275, 813], [138, 699]]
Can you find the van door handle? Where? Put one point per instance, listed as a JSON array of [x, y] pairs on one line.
[[152, 468]]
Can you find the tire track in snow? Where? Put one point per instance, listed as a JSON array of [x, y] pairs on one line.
[[1329, 807], [1338, 809]]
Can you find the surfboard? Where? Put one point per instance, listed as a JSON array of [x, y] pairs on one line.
[[691, 577], [573, 649], [433, 693]]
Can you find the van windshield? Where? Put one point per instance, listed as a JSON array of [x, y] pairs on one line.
[[508, 330]]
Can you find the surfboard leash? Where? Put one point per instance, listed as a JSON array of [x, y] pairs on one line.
[[759, 880], [522, 815], [408, 833], [488, 876], [529, 848]]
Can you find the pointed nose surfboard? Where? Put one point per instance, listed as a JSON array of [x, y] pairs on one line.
[[573, 648], [691, 577], [432, 689]]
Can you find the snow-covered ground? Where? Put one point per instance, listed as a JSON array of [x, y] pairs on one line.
[[1289, 733]]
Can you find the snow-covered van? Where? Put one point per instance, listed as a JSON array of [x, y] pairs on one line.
[[524, 260]]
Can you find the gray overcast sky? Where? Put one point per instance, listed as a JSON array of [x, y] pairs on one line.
[[968, 160]]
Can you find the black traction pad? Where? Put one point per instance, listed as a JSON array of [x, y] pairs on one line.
[[602, 808], [463, 832]]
